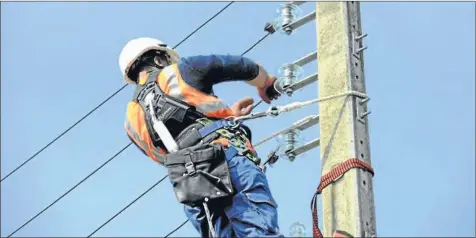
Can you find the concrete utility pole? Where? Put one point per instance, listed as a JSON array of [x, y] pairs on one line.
[[348, 203]]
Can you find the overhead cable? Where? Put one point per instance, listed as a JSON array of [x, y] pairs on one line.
[[176, 229]]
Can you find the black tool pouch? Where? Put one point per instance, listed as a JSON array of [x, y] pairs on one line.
[[199, 172]]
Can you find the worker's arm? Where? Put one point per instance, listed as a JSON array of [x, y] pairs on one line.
[[202, 72]]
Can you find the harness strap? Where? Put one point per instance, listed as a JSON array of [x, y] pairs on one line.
[[216, 125]]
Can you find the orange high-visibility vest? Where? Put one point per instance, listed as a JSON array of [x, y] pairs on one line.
[[171, 83]]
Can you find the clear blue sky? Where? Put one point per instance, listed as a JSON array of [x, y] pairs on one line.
[[59, 60]]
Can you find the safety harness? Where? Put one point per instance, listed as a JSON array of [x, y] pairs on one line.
[[197, 169], [166, 117]]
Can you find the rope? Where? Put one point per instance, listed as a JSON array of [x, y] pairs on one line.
[[211, 228]]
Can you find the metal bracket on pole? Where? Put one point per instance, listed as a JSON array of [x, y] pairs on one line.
[[301, 125], [357, 45], [289, 28], [306, 147], [306, 59], [303, 83]]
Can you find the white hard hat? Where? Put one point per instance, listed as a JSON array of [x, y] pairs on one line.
[[136, 47]]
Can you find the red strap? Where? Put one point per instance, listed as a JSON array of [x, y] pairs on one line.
[[329, 178], [341, 234]]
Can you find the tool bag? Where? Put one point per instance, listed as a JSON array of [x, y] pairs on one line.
[[199, 172]]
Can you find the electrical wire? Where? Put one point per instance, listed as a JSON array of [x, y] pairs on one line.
[[107, 99], [198, 28], [128, 205], [64, 132], [176, 229], [135, 200], [70, 190]]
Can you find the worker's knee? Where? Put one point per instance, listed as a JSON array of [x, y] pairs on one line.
[[254, 213], [245, 175], [195, 216]]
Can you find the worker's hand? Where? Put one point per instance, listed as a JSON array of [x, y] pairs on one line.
[[242, 107], [268, 91]]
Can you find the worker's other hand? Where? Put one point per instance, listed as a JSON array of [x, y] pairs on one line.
[[268, 91], [242, 107]]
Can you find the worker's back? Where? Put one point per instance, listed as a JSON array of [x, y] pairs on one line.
[[171, 81]]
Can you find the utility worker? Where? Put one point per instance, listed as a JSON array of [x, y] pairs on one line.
[[175, 119]]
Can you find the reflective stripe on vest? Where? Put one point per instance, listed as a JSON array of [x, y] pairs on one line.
[[137, 130], [171, 82]]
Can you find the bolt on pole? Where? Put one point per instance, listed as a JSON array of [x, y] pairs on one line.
[[348, 203]]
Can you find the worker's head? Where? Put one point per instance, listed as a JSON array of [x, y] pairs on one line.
[[143, 53]]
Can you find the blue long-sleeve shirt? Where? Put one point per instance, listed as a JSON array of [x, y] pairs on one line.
[[203, 71]]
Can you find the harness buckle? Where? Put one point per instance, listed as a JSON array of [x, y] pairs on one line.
[[225, 133], [204, 121], [190, 168], [253, 158], [232, 124]]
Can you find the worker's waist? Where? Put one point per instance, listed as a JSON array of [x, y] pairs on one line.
[[228, 133]]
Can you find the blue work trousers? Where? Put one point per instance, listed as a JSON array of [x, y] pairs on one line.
[[251, 212]]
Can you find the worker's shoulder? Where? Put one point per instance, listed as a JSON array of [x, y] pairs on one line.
[[133, 110]]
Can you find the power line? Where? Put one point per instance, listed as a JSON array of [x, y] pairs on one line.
[[107, 99], [211, 18], [128, 205], [253, 46], [176, 229], [70, 190], [135, 200], [64, 132]]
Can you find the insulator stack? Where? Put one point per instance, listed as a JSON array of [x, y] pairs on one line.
[[287, 14], [290, 142], [297, 230], [289, 74]]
